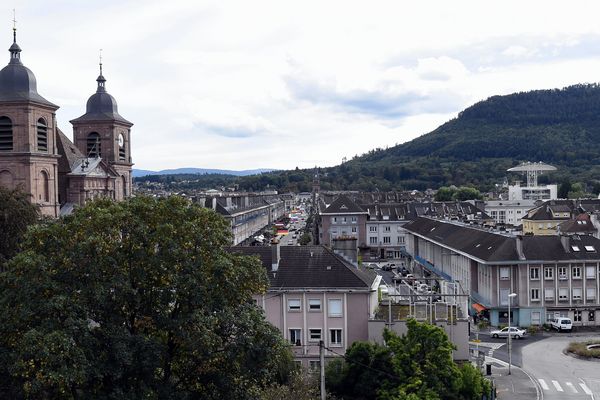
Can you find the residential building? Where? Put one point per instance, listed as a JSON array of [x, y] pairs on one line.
[[551, 275], [343, 218], [315, 295], [508, 212]]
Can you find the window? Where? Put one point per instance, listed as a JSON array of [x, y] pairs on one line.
[[591, 316], [335, 307], [6, 134], [536, 318], [534, 273], [344, 220], [296, 337], [42, 135], [372, 240], [372, 229], [576, 272], [44, 187], [314, 366], [314, 335], [535, 294], [387, 228], [387, 240], [354, 229], [503, 297], [354, 219], [575, 248], [549, 273], [577, 316], [401, 240], [590, 272], [562, 273], [335, 337], [504, 273], [549, 294], [314, 304], [563, 294], [590, 249], [93, 145], [576, 293], [590, 293], [293, 304]]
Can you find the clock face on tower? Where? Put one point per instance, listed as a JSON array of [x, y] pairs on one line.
[[121, 140]]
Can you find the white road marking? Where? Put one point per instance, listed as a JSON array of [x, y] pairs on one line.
[[544, 384], [557, 386], [586, 389], [570, 385]]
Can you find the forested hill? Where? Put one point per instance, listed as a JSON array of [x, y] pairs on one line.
[[560, 127]]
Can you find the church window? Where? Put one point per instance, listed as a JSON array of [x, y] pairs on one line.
[[93, 145], [6, 134], [42, 135], [44, 192]]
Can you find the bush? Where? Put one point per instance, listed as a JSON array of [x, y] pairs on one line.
[[533, 329], [483, 324], [580, 348]]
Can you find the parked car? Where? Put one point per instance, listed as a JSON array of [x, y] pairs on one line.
[[561, 324], [386, 267], [371, 266], [516, 333]]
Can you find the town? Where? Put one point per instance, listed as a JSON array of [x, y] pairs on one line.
[[115, 283]]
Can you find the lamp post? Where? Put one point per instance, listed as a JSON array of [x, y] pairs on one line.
[[510, 297]]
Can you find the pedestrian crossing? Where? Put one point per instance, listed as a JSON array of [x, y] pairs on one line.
[[565, 387]]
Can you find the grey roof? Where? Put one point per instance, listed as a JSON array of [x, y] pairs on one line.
[[309, 267], [72, 160], [101, 106], [343, 205], [17, 82], [494, 247]]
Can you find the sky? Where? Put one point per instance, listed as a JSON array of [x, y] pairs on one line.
[[284, 84]]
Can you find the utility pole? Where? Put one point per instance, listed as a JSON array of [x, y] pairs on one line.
[[322, 365]]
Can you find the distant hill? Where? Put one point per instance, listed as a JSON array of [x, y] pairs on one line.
[[560, 127], [142, 172]]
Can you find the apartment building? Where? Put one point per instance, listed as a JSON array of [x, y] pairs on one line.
[[551, 275], [315, 295], [342, 219], [508, 212]]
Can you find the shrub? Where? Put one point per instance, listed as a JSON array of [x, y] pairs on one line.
[[533, 329], [580, 348]]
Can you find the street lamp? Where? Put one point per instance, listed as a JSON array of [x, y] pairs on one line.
[[510, 296]]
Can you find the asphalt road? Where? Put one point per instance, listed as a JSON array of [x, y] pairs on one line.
[[561, 376]]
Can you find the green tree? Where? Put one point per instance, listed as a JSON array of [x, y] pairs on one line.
[[445, 194], [305, 239], [135, 300], [466, 193], [564, 189], [17, 213]]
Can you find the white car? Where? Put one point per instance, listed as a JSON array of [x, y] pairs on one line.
[[516, 333]]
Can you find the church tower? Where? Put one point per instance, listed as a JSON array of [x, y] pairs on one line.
[[28, 149], [102, 133]]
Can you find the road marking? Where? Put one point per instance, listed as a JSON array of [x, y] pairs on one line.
[[544, 384], [570, 385], [557, 386], [586, 389]]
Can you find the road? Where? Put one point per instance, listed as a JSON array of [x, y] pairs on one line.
[[561, 376]]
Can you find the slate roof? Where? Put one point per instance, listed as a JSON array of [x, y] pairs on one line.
[[581, 224], [343, 205], [494, 247], [310, 267]]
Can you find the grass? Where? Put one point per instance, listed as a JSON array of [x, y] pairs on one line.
[[580, 348]]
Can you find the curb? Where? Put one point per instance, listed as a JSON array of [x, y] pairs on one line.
[[538, 389]]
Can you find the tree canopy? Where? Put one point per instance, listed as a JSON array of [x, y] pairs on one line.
[[16, 214], [414, 366], [135, 300]]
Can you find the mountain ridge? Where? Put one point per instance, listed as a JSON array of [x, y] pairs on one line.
[[137, 173]]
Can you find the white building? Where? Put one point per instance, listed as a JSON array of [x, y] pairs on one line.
[[508, 212]]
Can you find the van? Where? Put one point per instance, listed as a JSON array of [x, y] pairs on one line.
[[561, 324]]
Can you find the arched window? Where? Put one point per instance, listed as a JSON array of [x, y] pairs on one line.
[[6, 180], [93, 145], [44, 187], [124, 182], [42, 135], [6, 134]]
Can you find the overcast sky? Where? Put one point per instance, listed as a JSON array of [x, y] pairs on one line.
[[255, 84]]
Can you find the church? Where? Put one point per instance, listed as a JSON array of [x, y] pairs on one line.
[[36, 156]]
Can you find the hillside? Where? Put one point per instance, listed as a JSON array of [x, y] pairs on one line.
[[560, 127], [200, 171]]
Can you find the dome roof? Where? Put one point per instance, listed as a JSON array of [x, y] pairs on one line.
[[101, 106], [17, 82]]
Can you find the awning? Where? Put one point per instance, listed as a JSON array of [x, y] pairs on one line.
[[478, 307]]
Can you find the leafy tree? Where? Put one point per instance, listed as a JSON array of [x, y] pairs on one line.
[[135, 300], [444, 194], [466, 193], [564, 189], [305, 239], [415, 366], [17, 213]]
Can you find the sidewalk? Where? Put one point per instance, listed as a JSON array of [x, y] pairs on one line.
[[516, 386]]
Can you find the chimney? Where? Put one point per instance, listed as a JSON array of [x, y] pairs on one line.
[[519, 245], [275, 257], [564, 240]]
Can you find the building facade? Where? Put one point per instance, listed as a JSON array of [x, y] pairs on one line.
[[38, 158]]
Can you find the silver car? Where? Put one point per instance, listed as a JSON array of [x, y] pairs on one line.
[[515, 333]]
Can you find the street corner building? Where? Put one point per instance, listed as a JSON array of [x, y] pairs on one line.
[[37, 157]]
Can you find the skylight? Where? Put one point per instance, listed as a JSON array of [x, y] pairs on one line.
[[575, 248], [590, 248]]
